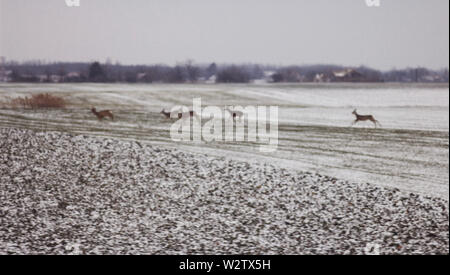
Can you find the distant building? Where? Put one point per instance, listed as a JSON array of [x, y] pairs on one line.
[[42, 78], [348, 75], [55, 78], [211, 80], [141, 76], [266, 78], [73, 75], [5, 76], [431, 78]]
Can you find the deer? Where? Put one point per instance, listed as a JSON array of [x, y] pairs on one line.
[[235, 114], [102, 114], [364, 118], [180, 114]]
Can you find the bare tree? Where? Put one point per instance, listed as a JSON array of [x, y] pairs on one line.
[[192, 72]]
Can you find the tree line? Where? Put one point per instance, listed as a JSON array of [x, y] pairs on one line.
[[189, 72]]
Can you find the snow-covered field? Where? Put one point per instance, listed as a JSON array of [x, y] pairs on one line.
[[409, 152], [73, 194], [72, 184]]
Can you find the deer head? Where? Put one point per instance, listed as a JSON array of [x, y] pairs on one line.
[[354, 112]]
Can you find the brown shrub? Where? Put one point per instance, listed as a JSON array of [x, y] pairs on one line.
[[39, 101]]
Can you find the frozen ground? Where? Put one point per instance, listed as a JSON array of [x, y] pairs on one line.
[[410, 151], [73, 194]]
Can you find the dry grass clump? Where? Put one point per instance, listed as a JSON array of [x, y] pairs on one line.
[[36, 101]]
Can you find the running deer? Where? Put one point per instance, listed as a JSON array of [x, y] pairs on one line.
[[102, 114], [364, 118], [180, 114], [235, 114]]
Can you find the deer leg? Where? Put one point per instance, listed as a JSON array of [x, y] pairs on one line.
[[374, 122]]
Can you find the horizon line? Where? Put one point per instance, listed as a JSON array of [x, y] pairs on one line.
[[119, 63]]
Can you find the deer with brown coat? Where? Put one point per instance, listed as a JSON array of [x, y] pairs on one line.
[[102, 114], [180, 114], [364, 118]]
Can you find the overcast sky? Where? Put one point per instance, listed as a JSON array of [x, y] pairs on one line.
[[400, 33]]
